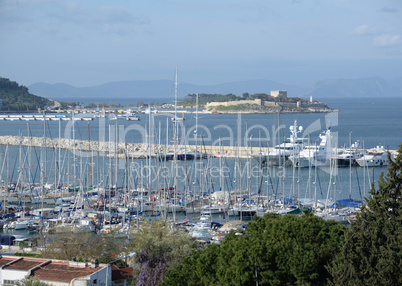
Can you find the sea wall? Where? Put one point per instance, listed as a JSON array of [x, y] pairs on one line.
[[123, 150]]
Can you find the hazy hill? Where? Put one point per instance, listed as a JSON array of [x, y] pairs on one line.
[[397, 82], [164, 89], [365, 87], [120, 89]]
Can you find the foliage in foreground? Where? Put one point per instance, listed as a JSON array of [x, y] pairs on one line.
[[275, 250], [159, 246], [30, 281], [83, 247], [372, 252]]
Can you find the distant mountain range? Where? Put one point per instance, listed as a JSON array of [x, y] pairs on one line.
[[163, 90]]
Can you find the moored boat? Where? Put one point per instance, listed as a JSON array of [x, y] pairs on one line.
[[374, 158]]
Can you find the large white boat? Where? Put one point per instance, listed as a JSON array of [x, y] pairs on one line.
[[315, 155], [347, 156], [374, 158], [280, 154], [213, 209]]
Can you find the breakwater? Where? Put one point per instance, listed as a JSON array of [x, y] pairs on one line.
[[127, 150]]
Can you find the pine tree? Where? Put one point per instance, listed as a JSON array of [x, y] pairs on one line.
[[273, 250], [372, 251]]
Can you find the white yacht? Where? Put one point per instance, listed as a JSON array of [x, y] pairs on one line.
[[315, 155], [280, 154], [213, 209], [374, 158], [347, 156]]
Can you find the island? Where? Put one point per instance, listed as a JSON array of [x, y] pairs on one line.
[[276, 101]]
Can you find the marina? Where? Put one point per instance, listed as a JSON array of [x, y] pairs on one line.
[[84, 176]]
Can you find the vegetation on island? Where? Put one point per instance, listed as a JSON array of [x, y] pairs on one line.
[[203, 99], [15, 97], [245, 103], [246, 106]]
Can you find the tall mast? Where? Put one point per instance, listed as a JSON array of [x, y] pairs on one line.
[[196, 147], [175, 147], [116, 161], [350, 164], [59, 165], [175, 96], [149, 156]]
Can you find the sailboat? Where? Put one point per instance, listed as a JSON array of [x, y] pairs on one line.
[[176, 118]]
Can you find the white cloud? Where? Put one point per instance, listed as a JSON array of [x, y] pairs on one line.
[[387, 40], [63, 16], [361, 30]]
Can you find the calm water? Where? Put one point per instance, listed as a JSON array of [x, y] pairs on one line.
[[374, 121], [371, 121]]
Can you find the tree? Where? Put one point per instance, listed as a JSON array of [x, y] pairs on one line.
[[372, 251], [274, 250], [197, 269], [159, 246], [30, 281], [84, 247]]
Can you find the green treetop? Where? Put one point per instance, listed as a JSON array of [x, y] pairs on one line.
[[372, 251], [274, 250]]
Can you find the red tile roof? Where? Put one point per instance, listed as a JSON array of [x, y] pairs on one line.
[[5, 260], [24, 264], [49, 270], [63, 272]]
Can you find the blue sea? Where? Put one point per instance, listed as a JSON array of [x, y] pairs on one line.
[[374, 121]]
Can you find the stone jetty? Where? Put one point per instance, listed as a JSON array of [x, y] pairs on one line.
[[127, 150]]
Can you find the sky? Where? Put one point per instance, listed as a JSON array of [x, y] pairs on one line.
[[91, 42]]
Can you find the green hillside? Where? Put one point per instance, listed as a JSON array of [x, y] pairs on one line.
[[15, 97]]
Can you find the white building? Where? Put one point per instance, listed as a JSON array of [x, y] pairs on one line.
[[277, 93], [54, 272]]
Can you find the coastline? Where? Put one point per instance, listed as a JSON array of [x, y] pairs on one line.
[[269, 112]]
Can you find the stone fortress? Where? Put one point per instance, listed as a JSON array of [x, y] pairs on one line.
[[260, 102]]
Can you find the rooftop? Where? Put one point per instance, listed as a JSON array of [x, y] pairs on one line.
[[5, 260], [23, 264], [49, 270], [63, 272]]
